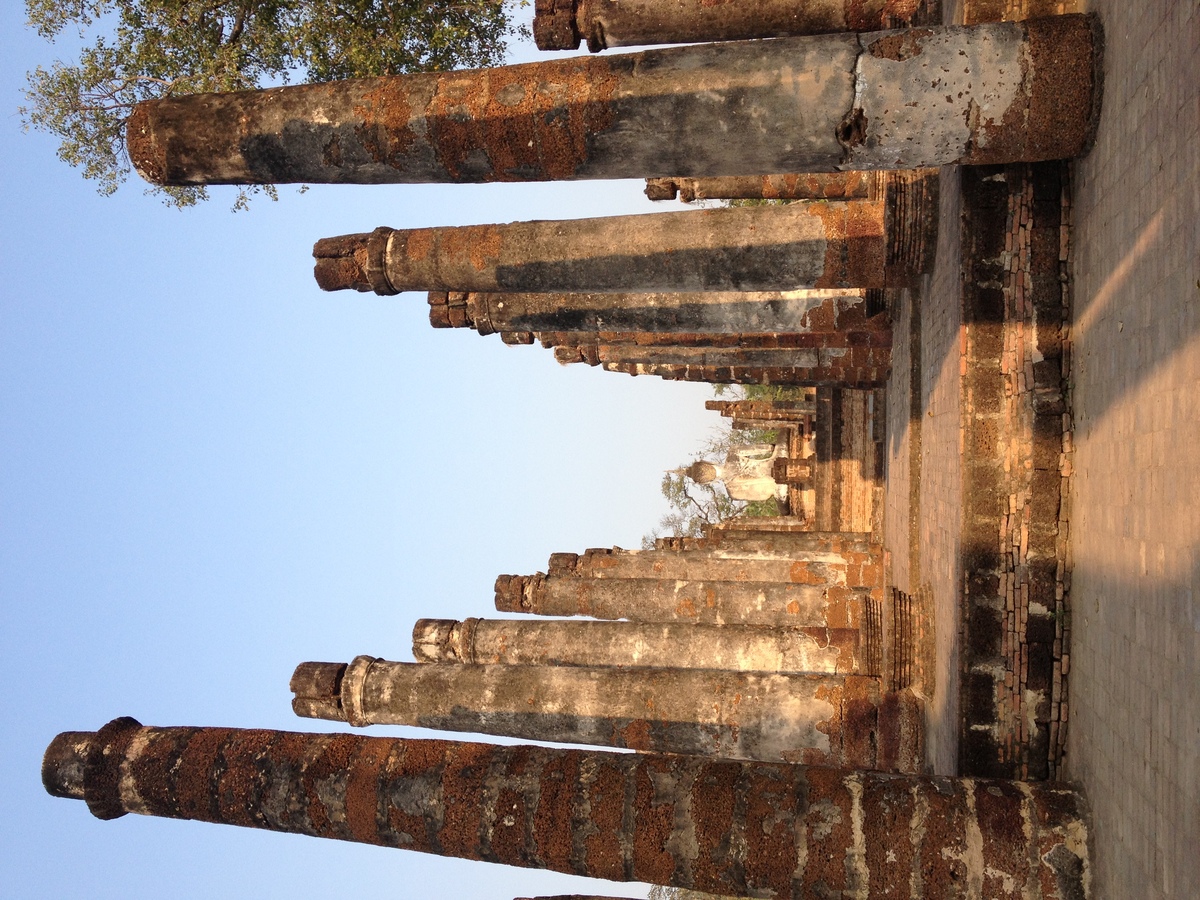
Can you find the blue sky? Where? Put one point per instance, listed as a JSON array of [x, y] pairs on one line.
[[210, 472]]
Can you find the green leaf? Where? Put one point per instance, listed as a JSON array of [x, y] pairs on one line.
[[144, 49]]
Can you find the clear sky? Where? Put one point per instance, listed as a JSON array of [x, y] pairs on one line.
[[210, 472]]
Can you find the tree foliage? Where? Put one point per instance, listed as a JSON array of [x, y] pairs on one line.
[[144, 49]]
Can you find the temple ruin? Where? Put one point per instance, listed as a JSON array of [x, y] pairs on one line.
[[775, 676]]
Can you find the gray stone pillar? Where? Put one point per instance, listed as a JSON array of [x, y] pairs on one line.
[[731, 648], [562, 24], [802, 245], [796, 186], [814, 719], [809, 366], [1005, 92], [737, 373], [745, 829], [818, 565], [696, 312], [771, 604]]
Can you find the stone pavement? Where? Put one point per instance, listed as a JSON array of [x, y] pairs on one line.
[[923, 511], [1134, 733], [1132, 718]]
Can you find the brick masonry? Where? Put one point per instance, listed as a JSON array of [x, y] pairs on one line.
[[1129, 471], [1014, 604]]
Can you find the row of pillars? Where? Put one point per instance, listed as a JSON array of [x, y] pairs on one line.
[[795, 337], [737, 808], [876, 101], [834, 336], [754, 824], [784, 688]]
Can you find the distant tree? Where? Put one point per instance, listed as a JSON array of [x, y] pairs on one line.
[[143, 49]]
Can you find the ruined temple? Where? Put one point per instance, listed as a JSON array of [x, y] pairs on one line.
[[777, 678]]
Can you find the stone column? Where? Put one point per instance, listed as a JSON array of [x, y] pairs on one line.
[[815, 719], [1018, 91], [720, 826], [833, 366], [760, 425], [696, 312], [860, 552], [562, 24], [802, 245], [731, 648], [757, 523], [771, 604], [818, 565], [807, 186], [784, 411], [735, 372]]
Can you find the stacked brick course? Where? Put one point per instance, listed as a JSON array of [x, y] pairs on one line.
[[1017, 441]]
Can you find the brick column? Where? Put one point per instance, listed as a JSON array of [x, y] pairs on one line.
[[670, 600], [696, 312], [562, 24], [792, 471], [770, 588], [758, 523], [833, 363], [863, 557], [910, 197], [1017, 91], [815, 719], [819, 565], [808, 186], [731, 648], [712, 825], [735, 371], [783, 411], [816, 245]]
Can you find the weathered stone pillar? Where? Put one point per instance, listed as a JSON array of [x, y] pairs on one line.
[[1018, 91], [696, 312], [815, 719], [671, 600], [813, 558], [807, 186], [712, 825], [757, 523], [783, 411], [734, 372], [833, 366], [562, 24], [865, 562], [809, 245], [731, 648]]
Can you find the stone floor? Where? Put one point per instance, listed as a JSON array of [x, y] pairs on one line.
[[1133, 730], [923, 512], [1134, 733]]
